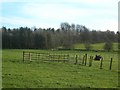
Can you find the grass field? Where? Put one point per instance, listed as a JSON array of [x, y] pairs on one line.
[[19, 74], [96, 46]]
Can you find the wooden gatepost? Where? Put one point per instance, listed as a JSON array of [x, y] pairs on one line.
[[90, 61], [84, 62], [101, 63], [111, 63], [76, 59]]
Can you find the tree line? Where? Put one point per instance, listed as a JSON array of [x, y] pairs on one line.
[[65, 36]]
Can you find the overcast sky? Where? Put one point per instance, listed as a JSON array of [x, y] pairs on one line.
[[94, 14]]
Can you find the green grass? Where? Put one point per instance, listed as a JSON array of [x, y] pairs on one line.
[[115, 46], [96, 46], [19, 74]]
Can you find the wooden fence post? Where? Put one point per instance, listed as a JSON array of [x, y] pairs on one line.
[[101, 63], [29, 56], [76, 57], [68, 57], [111, 63], [85, 59], [23, 55], [37, 56], [90, 62]]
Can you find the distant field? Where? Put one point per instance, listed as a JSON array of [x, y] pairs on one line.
[[19, 74], [97, 46]]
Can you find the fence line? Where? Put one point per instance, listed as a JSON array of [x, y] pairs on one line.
[[31, 56], [34, 56]]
